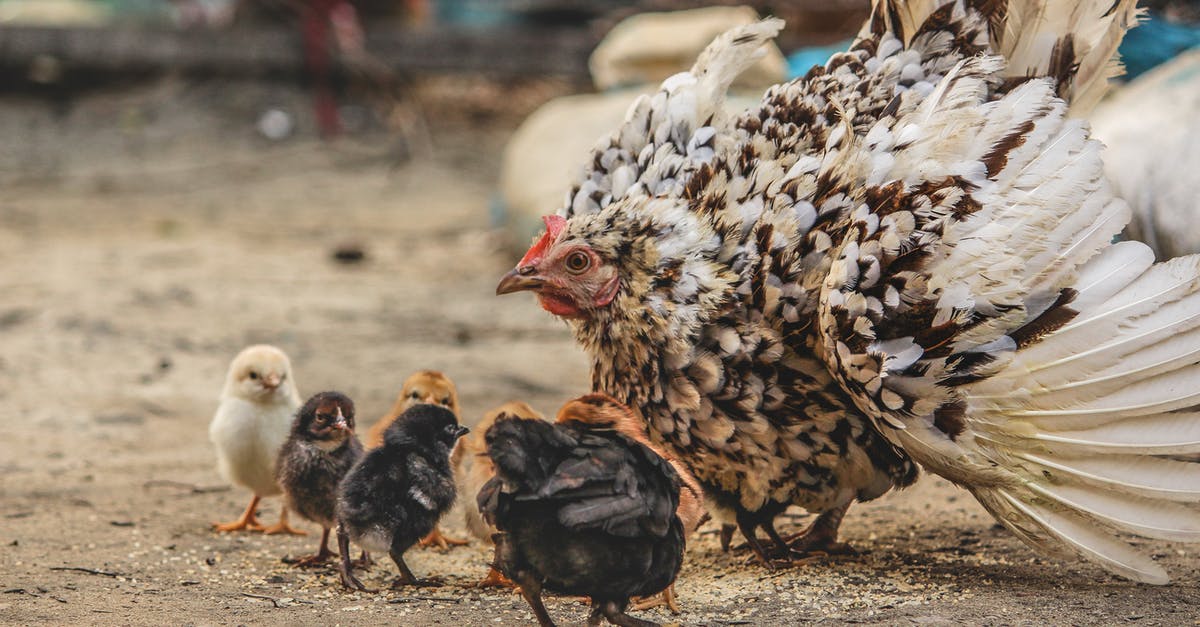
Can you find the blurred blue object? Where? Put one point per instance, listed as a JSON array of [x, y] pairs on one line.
[[802, 60], [1155, 41], [473, 13]]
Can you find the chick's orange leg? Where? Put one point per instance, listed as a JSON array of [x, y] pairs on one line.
[[282, 526], [248, 521], [666, 597], [495, 580], [435, 537]]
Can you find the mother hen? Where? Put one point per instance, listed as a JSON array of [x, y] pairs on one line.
[[904, 255]]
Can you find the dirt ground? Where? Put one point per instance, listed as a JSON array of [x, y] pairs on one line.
[[140, 251]]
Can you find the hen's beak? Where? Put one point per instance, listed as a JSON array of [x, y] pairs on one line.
[[462, 431], [521, 278]]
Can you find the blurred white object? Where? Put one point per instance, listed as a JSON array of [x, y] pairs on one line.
[[53, 12], [1152, 130], [648, 47], [275, 124], [545, 152]]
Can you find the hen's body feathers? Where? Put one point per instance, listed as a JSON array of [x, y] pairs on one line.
[[904, 254]]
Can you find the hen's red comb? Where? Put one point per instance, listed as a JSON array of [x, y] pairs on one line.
[[554, 226]]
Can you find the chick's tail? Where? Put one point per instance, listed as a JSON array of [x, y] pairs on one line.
[[1072, 43]]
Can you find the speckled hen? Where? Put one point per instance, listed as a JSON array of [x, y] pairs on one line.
[[903, 256]]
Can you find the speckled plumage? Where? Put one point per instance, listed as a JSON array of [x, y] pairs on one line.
[[904, 254]]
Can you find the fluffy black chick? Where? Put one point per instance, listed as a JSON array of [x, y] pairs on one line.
[[395, 495], [582, 510], [319, 451]]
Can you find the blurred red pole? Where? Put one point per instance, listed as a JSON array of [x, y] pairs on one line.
[[318, 59]]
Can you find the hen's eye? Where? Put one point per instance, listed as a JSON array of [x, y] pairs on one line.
[[577, 262], [253, 375]]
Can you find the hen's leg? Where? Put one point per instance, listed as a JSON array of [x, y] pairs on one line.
[[596, 615], [727, 536], [748, 526], [323, 554], [248, 520], [821, 536], [282, 526], [616, 615], [345, 570]]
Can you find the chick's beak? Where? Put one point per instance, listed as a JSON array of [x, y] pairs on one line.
[[462, 431], [520, 278], [271, 381]]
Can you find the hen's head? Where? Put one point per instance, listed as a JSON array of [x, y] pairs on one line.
[[327, 419], [636, 258], [571, 276], [261, 374]]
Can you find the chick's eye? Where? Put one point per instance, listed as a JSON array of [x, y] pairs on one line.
[[415, 395], [446, 401], [253, 375], [577, 262]]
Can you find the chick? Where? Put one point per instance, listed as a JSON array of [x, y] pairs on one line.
[[582, 509], [251, 424], [473, 468], [319, 452], [397, 492], [603, 411], [423, 386]]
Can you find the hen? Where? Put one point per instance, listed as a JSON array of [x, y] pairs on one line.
[[903, 255], [582, 510]]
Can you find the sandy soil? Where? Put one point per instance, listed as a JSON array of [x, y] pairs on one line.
[[133, 269]]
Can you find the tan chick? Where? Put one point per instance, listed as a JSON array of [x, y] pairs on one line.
[[473, 468], [601, 409], [423, 386], [252, 422]]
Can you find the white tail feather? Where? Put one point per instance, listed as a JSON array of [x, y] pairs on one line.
[[1086, 540]]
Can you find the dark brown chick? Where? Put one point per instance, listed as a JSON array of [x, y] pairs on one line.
[[602, 410], [318, 453], [584, 510]]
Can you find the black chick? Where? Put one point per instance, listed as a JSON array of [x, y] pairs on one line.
[[318, 453], [395, 495], [582, 510]]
